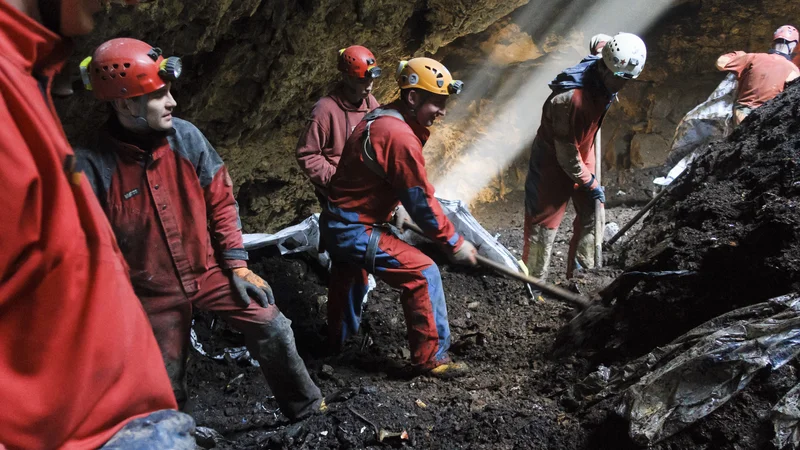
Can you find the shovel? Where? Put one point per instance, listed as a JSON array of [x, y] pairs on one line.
[[555, 291], [599, 208]]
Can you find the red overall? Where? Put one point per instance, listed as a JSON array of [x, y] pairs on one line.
[[361, 197], [77, 357], [170, 202], [562, 165], [761, 76]]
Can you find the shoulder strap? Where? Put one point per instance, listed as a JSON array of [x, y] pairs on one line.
[[367, 151], [380, 112]]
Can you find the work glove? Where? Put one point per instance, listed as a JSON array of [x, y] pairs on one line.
[[247, 284], [465, 255], [401, 217], [596, 193]]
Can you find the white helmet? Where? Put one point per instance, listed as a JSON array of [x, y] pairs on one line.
[[625, 55]]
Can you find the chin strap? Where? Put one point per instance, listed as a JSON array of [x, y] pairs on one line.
[[140, 122], [777, 52]]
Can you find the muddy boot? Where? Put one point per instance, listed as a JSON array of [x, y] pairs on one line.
[[581, 247], [540, 248], [444, 369], [274, 348], [449, 370]]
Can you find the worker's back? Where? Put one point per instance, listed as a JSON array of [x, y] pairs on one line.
[[761, 76]]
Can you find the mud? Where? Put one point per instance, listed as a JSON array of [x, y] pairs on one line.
[[732, 225], [732, 222], [513, 398], [496, 329]]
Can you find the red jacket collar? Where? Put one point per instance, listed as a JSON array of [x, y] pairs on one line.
[[420, 131], [30, 45], [338, 96], [125, 144]]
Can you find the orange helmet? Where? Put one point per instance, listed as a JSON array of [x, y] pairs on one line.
[[126, 68], [429, 75], [359, 62], [787, 33]]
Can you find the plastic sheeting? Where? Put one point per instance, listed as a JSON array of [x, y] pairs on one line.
[[304, 237], [466, 225], [708, 121], [675, 171], [786, 420], [230, 353], [676, 385]]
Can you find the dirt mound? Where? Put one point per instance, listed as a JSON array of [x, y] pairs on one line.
[[726, 236]]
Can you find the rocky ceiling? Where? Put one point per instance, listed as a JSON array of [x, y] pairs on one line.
[[254, 68]]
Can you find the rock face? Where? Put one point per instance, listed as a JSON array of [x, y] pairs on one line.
[[683, 40], [648, 150], [254, 68]]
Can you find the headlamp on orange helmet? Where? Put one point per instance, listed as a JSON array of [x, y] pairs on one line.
[[357, 61], [127, 68], [429, 75]]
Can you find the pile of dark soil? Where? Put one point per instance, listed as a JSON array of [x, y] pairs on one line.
[[727, 235], [732, 221]]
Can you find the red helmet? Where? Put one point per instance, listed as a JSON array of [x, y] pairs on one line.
[[126, 68], [359, 62], [786, 32]]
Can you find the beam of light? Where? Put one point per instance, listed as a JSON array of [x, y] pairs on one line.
[[518, 99]]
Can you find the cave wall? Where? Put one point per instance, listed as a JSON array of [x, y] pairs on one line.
[[683, 46], [683, 43], [254, 68]]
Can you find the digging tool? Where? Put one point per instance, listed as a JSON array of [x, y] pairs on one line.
[[636, 218], [599, 207], [652, 202], [555, 291], [369, 422]]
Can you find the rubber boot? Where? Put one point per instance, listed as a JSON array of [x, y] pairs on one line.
[[274, 348], [540, 248], [581, 246]]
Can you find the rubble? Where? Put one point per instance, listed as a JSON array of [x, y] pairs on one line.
[[724, 241]]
